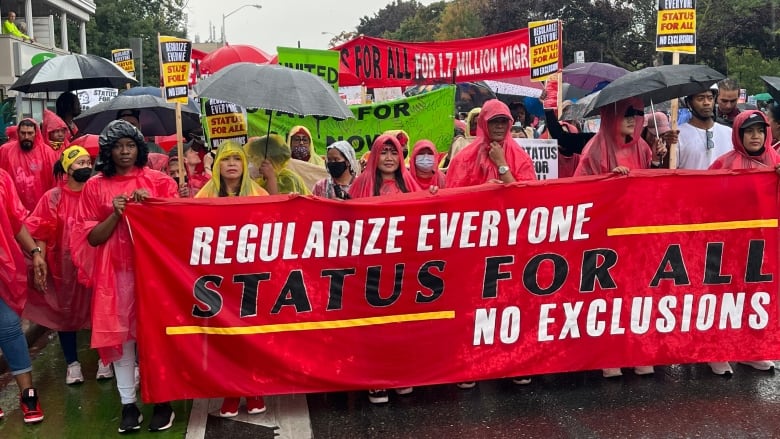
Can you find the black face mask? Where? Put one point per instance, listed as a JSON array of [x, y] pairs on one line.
[[82, 175], [26, 145], [336, 169]]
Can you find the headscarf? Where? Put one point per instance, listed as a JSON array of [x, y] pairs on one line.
[[739, 157], [248, 187], [313, 157], [52, 122], [608, 149], [273, 148], [438, 176], [473, 166], [71, 154], [327, 184], [363, 186], [474, 114]]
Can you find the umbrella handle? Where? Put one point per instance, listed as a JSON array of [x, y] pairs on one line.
[[268, 134]]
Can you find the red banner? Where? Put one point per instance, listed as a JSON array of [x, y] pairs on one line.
[[295, 294], [387, 63]]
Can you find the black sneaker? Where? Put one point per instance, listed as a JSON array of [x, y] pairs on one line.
[[162, 417], [131, 418]]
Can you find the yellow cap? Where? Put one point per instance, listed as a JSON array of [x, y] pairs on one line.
[[71, 154]]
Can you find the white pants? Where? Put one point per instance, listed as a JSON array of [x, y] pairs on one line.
[[124, 370]]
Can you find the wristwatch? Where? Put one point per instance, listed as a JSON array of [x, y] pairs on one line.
[[503, 170], [35, 250]]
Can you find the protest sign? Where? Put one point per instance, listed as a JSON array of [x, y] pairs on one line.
[[425, 116], [545, 45], [387, 63], [468, 284], [90, 97], [676, 26], [544, 153], [124, 59], [175, 56], [322, 63], [223, 121]]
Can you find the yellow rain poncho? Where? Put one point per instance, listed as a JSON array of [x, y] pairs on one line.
[[248, 187], [287, 181], [313, 157]]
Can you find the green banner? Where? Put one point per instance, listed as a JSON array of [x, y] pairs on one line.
[[323, 63], [425, 116]]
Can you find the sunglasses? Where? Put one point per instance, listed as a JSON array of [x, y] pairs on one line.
[[631, 112], [710, 142], [300, 139]]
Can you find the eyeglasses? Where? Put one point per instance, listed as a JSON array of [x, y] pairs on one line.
[[631, 112], [300, 139], [710, 142]]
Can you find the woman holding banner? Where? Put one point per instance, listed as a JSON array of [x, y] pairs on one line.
[[385, 174], [343, 167], [230, 178], [67, 308], [99, 224]]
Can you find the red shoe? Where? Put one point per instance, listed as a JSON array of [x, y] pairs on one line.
[[255, 405], [31, 407], [229, 407]]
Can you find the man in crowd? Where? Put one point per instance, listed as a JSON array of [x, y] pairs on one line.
[[68, 107], [701, 139], [9, 28], [728, 94], [29, 162]]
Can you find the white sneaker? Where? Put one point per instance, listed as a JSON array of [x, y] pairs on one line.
[[467, 385], [722, 368], [104, 371], [74, 375], [522, 380], [404, 390], [378, 396], [644, 370], [612, 372], [760, 365]]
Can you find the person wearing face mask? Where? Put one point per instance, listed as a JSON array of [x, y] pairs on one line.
[[425, 165], [67, 306], [302, 146], [342, 166], [29, 162]]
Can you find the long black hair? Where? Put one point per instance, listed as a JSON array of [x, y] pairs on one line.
[[115, 130]]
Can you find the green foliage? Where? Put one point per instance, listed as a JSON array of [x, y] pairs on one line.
[[748, 65], [460, 20], [388, 19], [116, 21], [420, 27]]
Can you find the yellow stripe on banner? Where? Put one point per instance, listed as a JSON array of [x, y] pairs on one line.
[[310, 326], [703, 227]]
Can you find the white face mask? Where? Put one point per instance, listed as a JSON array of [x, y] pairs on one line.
[[254, 172], [424, 162]]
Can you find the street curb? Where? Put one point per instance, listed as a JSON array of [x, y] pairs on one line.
[[32, 332]]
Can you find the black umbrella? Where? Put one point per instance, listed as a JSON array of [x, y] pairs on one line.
[[657, 84], [772, 86], [72, 72], [156, 116]]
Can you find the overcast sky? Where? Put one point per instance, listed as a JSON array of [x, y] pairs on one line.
[[280, 22]]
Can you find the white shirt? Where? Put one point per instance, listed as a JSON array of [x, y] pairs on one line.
[[692, 151]]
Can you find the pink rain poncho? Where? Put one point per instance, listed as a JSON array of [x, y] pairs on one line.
[[363, 186], [33, 171], [739, 158], [67, 303], [13, 276], [111, 272], [608, 149], [472, 165], [438, 178], [52, 122]]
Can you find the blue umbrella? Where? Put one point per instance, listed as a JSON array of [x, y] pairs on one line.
[[157, 91]]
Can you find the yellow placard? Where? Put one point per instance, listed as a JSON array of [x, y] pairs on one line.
[[124, 59], [545, 48], [175, 56], [676, 26]]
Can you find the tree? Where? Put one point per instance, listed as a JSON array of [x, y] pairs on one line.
[[420, 27], [116, 21], [459, 21], [388, 19]]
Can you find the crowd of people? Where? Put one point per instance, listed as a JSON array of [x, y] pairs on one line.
[[63, 234]]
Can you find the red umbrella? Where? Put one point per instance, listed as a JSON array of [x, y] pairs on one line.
[[227, 55], [90, 143], [346, 78], [167, 142]]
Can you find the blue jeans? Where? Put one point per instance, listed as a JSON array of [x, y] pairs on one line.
[[12, 341]]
